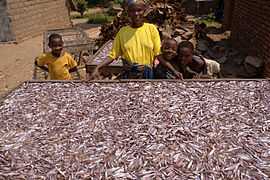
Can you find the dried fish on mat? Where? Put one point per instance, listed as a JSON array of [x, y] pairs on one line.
[[112, 71], [102, 55], [136, 130]]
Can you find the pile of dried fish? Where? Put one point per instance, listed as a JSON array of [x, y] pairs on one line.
[[102, 55], [167, 15], [136, 130]]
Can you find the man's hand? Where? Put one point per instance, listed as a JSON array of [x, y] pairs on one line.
[[95, 75]]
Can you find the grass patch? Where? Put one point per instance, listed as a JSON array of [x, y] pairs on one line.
[[99, 18], [94, 16], [76, 16], [209, 20]]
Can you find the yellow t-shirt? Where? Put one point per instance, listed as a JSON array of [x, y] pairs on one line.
[[137, 45], [58, 67]]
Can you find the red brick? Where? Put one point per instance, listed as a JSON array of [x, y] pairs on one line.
[[251, 27]]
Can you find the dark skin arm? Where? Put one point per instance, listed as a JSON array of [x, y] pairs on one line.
[[96, 74], [41, 67], [73, 70], [168, 65]]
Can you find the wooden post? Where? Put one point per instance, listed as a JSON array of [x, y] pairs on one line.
[[228, 14]]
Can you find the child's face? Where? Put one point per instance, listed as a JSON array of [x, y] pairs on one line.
[[57, 46], [185, 56], [135, 12], [169, 50]]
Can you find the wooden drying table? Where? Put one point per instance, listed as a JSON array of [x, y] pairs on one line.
[[114, 69]]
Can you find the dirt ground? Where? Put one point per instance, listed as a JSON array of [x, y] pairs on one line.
[[16, 60], [16, 64]]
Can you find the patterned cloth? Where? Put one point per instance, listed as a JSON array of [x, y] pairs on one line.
[[161, 72], [136, 71]]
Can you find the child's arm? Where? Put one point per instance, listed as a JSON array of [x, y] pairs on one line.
[[73, 70], [170, 67], [39, 63], [72, 64]]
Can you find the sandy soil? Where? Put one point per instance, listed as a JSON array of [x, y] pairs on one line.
[[16, 63]]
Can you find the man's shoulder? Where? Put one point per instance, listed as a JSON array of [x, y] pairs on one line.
[[145, 25], [124, 28], [150, 26]]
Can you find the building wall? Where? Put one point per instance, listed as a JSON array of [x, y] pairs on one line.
[[251, 27], [228, 14], [5, 30], [30, 18]]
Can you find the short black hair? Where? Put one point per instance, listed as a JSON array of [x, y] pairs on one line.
[[185, 44], [168, 40], [54, 36]]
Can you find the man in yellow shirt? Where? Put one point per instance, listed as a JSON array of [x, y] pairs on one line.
[[58, 63], [137, 44]]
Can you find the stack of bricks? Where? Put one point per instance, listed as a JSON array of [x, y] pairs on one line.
[[251, 28], [30, 18]]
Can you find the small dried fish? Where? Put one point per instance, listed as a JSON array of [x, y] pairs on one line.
[[136, 130]]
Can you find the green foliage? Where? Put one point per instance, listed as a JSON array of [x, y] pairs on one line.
[[102, 3], [93, 2], [76, 16], [81, 5], [112, 10], [119, 1], [209, 20], [99, 18]]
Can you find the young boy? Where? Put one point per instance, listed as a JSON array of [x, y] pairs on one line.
[[58, 63], [195, 66], [164, 65]]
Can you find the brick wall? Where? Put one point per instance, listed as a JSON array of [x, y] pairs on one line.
[[32, 17], [251, 27], [228, 14]]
